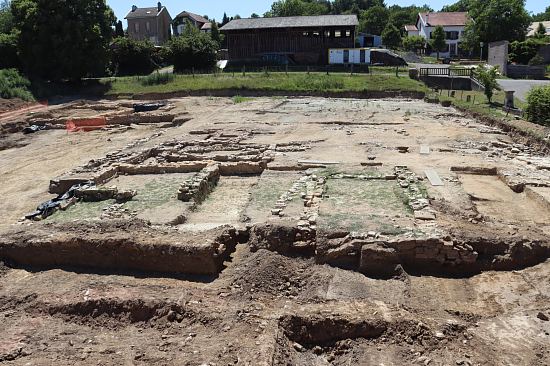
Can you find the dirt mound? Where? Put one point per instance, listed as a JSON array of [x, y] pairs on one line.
[[113, 313], [266, 272]]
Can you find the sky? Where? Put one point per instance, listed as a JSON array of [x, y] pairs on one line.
[[215, 8]]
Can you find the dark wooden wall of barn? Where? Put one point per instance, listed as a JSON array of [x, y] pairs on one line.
[[305, 45]]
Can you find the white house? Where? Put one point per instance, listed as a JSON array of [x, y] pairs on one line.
[[453, 24], [535, 26]]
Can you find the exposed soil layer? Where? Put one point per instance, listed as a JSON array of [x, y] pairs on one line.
[[273, 231]]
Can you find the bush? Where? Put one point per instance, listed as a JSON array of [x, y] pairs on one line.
[[536, 61], [129, 57], [13, 85], [538, 105], [523, 52], [193, 49], [157, 78], [413, 43], [488, 77], [8, 50]]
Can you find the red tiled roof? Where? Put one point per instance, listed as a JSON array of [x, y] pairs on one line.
[[444, 18]]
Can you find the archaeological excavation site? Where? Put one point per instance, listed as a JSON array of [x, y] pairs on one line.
[[272, 231]]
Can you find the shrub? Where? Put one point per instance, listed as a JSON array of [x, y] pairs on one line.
[[538, 105], [523, 52], [192, 49], [8, 50], [157, 78], [537, 60], [413, 43], [488, 77], [13, 85], [129, 57]]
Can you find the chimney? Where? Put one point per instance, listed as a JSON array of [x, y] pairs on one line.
[[159, 6], [134, 8]]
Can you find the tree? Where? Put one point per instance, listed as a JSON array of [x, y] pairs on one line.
[[541, 17], [495, 20], [254, 15], [63, 39], [287, 8], [6, 17], [438, 40], [413, 43], [488, 77], [541, 31], [523, 52], [354, 6], [460, 5], [215, 34], [374, 20], [192, 49], [225, 19], [391, 37], [129, 57], [119, 30]]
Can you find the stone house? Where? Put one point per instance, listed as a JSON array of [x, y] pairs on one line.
[[453, 23], [201, 23], [151, 24]]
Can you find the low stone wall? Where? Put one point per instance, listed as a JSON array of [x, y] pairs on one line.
[[526, 72], [198, 187], [443, 82]]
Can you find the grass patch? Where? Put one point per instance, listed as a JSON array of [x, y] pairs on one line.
[[13, 85], [481, 106], [293, 82], [157, 78], [237, 99]]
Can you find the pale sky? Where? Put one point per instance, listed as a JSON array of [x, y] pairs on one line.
[[216, 8]]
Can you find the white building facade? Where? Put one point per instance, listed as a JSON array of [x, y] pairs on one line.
[[453, 24]]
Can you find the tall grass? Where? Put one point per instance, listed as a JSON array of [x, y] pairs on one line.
[[157, 78], [13, 85]]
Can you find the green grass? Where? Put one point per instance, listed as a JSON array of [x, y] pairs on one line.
[[481, 106], [14, 85], [237, 99], [157, 78], [293, 82]]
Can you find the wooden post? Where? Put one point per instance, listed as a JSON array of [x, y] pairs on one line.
[[327, 69], [244, 70], [308, 69], [397, 71]]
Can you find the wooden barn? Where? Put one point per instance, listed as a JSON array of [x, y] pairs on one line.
[[303, 40]]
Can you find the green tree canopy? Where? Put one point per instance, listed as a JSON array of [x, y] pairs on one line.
[[437, 40], [496, 20], [129, 57], [6, 17], [215, 34], [374, 20], [391, 37], [413, 43], [541, 17], [63, 39], [192, 49], [287, 8]]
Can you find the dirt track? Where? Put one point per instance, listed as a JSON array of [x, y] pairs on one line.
[[339, 250]]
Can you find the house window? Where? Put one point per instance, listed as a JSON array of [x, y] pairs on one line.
[[148, 26], [453, 35], [348, 33], [337, 34]]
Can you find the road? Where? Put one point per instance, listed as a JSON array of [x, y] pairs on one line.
[[521, 87]]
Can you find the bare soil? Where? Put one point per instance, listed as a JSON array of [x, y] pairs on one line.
[[308, 234]]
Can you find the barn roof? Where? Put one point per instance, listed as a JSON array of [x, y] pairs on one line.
[[292, 22]]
